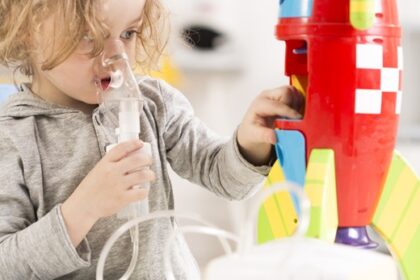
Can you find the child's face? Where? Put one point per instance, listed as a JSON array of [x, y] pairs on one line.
[[72, 83]]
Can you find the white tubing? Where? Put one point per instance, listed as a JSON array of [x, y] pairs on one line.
[[248, 234], [134, 235], [169, 274], [128, 225], [247, 237]]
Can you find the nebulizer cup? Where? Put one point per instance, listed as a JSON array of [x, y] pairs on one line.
[[120, 107], [121, 104]]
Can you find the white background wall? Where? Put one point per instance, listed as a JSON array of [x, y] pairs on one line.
[[410, 21]]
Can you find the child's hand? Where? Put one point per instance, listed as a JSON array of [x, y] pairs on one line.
[[108, 188], [256, 132]]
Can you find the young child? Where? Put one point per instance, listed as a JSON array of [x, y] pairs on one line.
[[59, 190]]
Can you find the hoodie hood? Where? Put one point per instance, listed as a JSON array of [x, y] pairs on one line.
[[24, 104]]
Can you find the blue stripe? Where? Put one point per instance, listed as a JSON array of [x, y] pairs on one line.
[[291, 152], [295, 8], [5, 91]]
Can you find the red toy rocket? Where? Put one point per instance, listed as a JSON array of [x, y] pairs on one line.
[[347, 58]]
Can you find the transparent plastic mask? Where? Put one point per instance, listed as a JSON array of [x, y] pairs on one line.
[[117, 87]]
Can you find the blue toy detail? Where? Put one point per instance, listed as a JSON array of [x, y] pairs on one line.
[[295, 8], [290, 149], [5, 91]]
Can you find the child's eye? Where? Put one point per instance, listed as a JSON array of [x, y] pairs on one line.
[[129, 34]]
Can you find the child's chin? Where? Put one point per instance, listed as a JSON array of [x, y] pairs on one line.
[[91, 101]]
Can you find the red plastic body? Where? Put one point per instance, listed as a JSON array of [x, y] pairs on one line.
[[363, 143]]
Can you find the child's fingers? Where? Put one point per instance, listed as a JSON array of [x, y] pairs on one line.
[[287, 95], [123, 149], [283, 94], [264, 135], [134, 161], [138, 178], [270, 108], [136, 194]]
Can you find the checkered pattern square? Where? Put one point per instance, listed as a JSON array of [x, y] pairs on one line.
[[368, 101], [378, 88]]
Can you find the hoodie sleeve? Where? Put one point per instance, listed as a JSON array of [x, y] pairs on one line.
[[31, 248], [197, 154]]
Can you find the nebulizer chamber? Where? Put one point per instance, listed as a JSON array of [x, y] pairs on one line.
[[120, 96]]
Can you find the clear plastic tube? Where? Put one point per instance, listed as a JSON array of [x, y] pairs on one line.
[[169, 275], [135, 222], [246, 241], [134, 235]]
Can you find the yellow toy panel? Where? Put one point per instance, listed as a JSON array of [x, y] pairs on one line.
[[321, 190], [278, 216], [397, 218]]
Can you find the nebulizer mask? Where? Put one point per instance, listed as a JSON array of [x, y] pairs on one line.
[[120, 107]]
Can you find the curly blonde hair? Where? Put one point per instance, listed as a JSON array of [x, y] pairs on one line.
[[21, 19]]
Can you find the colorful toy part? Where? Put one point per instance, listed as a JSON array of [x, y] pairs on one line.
[[321, 190], [362, 13], [300, 83], [353, 99], [278, 218], [397, 217], [290, 149], [293, 8]]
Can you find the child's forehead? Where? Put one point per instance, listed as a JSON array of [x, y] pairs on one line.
[[118, 13]]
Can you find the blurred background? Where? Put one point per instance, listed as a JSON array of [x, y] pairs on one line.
[[237, 57]]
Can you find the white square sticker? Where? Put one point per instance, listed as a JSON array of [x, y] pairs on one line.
[[390, 79], [368, 101], [369, 56]]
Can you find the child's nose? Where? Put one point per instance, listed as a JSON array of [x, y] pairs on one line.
[[109, 59], [113, 50]]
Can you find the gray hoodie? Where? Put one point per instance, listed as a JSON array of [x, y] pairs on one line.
[[45, 152]]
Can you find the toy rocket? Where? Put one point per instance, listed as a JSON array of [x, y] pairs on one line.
[[345, 56]]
